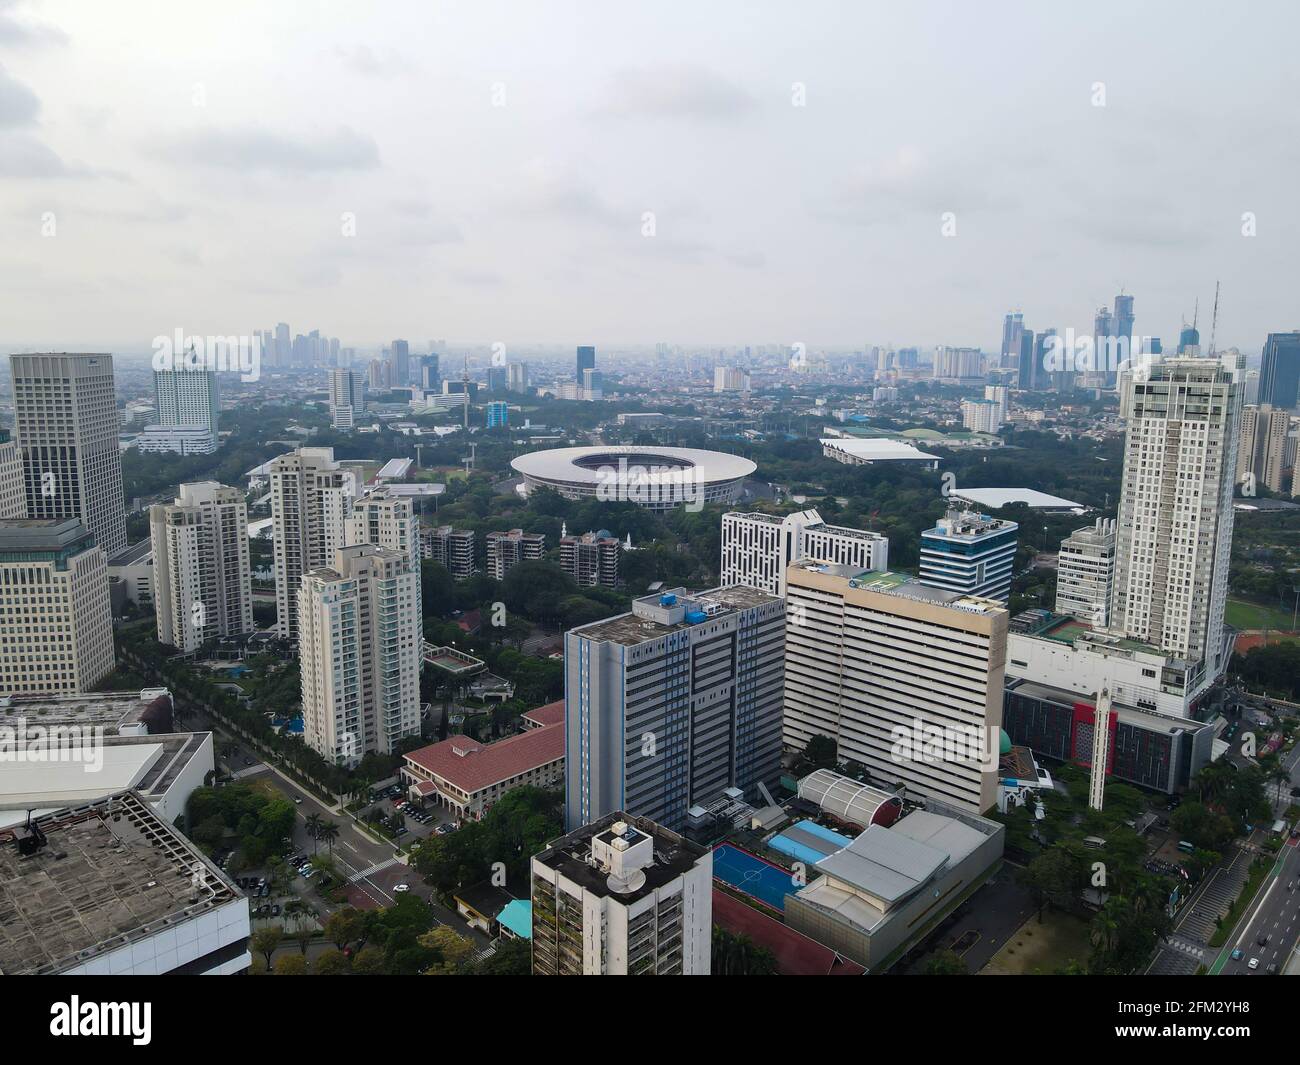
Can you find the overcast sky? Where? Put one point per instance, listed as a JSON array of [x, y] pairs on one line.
[[196, 160]]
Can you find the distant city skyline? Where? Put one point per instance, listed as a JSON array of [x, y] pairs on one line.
[[408, 171]]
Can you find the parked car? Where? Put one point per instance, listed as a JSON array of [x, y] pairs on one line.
[[402, 888]]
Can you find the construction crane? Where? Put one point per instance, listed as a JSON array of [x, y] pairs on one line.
[[1214, 322]]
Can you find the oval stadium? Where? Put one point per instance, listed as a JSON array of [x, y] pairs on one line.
[[659, 478]]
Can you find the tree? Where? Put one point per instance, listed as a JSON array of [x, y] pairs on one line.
[[314, 822], [291, 965], [266, 940], [453, 951], [344, 926], [1053, 877], [821, 752], [330, 963], [513, 957], [738, 955], [369, 962]]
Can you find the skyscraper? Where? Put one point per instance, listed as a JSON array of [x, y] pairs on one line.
[[188, 408], [1174, 531], [1085, 574], [359, 645], [1264, 448], [311, 499], [401, 363], [1013, 329], [56, 625], [757, 548], [672, 704], [346, 398], [1279, 371], [905, 678], [586, 361], [66, 424], [201, 577], [13, 498]]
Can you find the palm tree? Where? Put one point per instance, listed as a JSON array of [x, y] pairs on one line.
[[314, 823], [329, 832]]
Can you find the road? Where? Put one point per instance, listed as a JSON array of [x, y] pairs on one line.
[[1274, 913]]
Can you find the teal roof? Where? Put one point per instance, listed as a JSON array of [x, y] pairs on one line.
[[518, 918]]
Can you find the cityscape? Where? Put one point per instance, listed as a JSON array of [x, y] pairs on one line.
[[964, 647]]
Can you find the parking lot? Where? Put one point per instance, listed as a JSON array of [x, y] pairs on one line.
[[404, 818]]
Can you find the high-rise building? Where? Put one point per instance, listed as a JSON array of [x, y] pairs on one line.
[[670, 706], [311, 498], [1265, 448], [757, 548], [1031, 376], [1279, 371], [905, 678], [56, 624], [66, 425], [187, 399], [622, 897], [730, 379], [401, 356], [430, 375], [591, 386], [386, 521], [1013, 331], [359, 645], [498, 378], [981, 415], [201, 575], [505, 550], [518, 375], [969, 553], [347, 398], [586, 361], [13, 498], [1085, 573], [496, 414], [283, 345], [451, 548], [591, 559], [958, 364], [1174, 531]]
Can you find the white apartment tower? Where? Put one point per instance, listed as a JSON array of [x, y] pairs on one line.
[[757, 548], [346, 398], [1085, 573], [189, 398], [905, 678], [56, 625], [311, 499], [1174, 531], [622, 896], [201, 575], [66, 425], [359, 645]]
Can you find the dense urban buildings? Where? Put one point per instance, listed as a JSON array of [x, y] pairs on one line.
[[451, 548], [66, 425], [359, 647], [670, 705], [906, 678], [347, 398], [970, 553], [1266, 448], [201, 579], [622, 895], [56, 632], [757, 548]]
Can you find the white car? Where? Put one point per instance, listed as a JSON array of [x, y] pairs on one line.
[[401, 888], [1254, 963]]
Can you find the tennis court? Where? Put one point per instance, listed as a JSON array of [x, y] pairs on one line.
[[758, 879]]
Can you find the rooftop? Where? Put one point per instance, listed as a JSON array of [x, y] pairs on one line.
[[472, 766], [133, 554], [42, 534], [550, 714], [135, 711], [645, 622], [111, 873], [993, 498], [570, 856], [903, 585]]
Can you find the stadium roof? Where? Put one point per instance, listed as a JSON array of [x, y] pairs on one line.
[[877, 449]]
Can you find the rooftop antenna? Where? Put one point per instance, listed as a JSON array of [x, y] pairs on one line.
[[1214, 322], [464, 383]]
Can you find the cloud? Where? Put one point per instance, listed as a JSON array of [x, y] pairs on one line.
[[22, 156], [255, 148], [547, 190], [21, 32], [19, 106], [678, 91], [362, 59]]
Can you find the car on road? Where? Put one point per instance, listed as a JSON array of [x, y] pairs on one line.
[[297, 800], [1237, 954], [1272, 968], [400, 888], [1262, 940], [1254, 963]]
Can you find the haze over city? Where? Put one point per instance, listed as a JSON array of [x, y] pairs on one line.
[[498, 160]]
